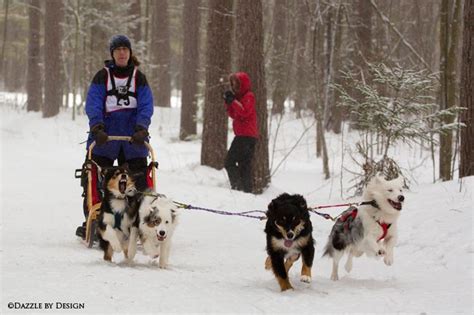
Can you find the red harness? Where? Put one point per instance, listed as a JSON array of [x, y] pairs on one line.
[[353, 215], [385, 227]]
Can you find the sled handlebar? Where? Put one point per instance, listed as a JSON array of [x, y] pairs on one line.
[[121, 138]]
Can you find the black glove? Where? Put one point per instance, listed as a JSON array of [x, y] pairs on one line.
[[229, 97], [99, 134], [140, 135]]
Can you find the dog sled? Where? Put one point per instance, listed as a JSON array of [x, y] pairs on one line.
[[91, 179]]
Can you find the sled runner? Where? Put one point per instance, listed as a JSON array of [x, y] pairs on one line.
[[91, 179]]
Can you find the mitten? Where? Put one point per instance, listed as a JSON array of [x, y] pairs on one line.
[[99, 134], [140, 135], [229, 97]]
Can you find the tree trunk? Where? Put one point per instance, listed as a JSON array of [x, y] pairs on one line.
[[52, 54], [364, 34], [301, 61], [466, 167], [161, 58], [278, 60], [191, 17], [5, 33], [135, 30], [336, 112], [33, 78], [449, 36], [75, 74], [322, 141], [251, 60], [219, 39]]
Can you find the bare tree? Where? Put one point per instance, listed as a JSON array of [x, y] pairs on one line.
[[219, 34], [33, 78], [251, 60], [466, 167], [52, 54], [161, 53], [191, 17]]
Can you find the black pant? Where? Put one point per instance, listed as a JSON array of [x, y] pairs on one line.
[[238, 163], [137, 167]]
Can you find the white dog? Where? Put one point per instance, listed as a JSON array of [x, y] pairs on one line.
[[370, 229], [158, 219]]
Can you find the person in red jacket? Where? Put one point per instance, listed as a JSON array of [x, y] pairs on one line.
[[240, 102]]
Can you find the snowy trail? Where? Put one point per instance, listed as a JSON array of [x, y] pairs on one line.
[[217, 262]]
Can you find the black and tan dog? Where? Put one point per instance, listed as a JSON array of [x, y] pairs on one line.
[[289, 236], [118, 217]]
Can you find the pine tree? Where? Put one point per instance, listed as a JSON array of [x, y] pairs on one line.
[[191, 17], [219, 39], [466, 167], [33, 83], [251, 60], [53, 60]]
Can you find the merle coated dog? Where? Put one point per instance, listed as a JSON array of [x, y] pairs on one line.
[[371, 229], [289, 236]]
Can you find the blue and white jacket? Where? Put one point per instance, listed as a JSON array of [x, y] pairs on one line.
[[120, 115]]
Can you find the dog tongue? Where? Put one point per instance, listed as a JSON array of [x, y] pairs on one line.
[[122, 187], [288, 243]]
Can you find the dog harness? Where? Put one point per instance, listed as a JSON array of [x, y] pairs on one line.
[[385, 227], [350, 217]]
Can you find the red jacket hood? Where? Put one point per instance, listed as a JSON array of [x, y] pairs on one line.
[[245, 84]]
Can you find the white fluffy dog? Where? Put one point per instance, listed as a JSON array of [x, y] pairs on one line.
[[370, 229], [158, 219]]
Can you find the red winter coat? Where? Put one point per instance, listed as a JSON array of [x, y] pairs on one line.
[[244, 116]]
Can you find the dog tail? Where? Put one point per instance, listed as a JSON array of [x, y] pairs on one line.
[[328, 250]]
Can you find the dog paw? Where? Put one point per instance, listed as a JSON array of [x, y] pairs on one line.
[[162, 266], [348, 267], [305, 278], [268, 263], [334, 277], [286, 287], [388, 260]]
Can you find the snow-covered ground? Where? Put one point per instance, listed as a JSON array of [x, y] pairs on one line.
[[217, 262]]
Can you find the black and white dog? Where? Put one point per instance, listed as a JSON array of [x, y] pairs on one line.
[[157, 222], [118, 212], [288, 231], [369, 229]]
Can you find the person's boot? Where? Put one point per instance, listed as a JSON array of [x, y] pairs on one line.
[[81, 231]]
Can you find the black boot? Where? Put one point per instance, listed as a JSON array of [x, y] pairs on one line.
[[81, 231]]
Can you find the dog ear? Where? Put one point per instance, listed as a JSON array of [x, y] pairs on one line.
[[270, 209], [301, 202], [271, 206]]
